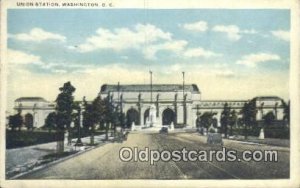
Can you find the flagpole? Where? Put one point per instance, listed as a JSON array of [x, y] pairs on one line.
[[150, 85], [183, 84]]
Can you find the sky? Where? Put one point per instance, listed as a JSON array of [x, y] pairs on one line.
[[228, 53]]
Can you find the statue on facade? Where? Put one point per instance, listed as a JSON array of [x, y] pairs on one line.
[[133, 126], [152, 116]]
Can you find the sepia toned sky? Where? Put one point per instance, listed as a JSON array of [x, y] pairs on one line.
[[229, 54]]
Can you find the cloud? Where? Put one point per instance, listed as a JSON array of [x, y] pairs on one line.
[[200, 52], [171, 46], [60, 71], [220, 65], [253, 59], [224, 73], [199, 26], [282, 35], [38, 35], [145, 37], [233, 32], [16, 57], [58, 67], [251, 31], [124, 38]]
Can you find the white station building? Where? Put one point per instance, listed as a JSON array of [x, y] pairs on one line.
[[156, 105]]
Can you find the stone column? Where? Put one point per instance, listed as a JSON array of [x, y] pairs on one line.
[[121, 111], [262, 111], [140, 109], [157, 105], [275, 110], [175, 109], [184, 109]]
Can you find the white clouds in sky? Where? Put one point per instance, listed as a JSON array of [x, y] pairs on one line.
[[233, 32], [282, 35], [147, 37], [149, 40], [252, 60], [175, 46], [38, 35], [199, 52], [199, 26], [225, 73], [16, 57]]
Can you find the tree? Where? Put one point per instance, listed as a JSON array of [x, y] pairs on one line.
[[286, 111], [16, 121], [108, 114], [99, 114], [28, 121], [232, 120], [207, 119], [94, 114], [50, 121], [116, 118], [87, 116], [248, 115], [225, 115], [64, 108]]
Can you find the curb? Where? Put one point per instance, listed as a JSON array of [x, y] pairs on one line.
[[252, 143], [56, 161]]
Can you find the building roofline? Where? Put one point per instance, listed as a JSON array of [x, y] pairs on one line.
[[30, 99], [105, 88]]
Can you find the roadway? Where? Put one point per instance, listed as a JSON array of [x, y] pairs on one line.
[[104, 163]]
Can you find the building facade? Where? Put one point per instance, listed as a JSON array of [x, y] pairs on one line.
[[157, 105], [34, 109], [172, 103]]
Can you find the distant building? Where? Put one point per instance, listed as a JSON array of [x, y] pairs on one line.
[[178, 105], [171, 103], [35, 108]]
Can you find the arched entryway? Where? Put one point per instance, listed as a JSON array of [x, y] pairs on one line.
[[132, 116], [146, 115], [28, 121], [168, 116]]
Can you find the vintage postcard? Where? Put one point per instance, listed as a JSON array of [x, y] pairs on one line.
[[149, 93]]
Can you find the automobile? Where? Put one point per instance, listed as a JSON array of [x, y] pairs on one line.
[[214, 138], [120, 135], [125, 134], [163, 130]]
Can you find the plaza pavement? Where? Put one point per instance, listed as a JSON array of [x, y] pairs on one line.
[[25, 155]]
